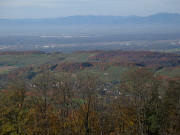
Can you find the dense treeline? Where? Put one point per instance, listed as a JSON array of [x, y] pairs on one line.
[[20, 52], [139, 58], [51, 104]]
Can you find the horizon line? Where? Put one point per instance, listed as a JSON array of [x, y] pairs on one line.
[[175, 13]]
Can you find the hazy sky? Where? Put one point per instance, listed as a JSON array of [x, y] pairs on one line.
[[58, 8]]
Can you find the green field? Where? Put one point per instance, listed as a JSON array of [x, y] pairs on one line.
[[39, 59], [6, 69]]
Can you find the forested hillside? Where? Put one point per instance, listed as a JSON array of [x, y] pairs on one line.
[[89, 93], [51, 104]]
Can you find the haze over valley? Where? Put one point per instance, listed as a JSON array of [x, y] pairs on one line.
[[89, 67]]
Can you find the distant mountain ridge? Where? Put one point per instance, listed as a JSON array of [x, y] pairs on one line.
[[161, 18], [93, 25]]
